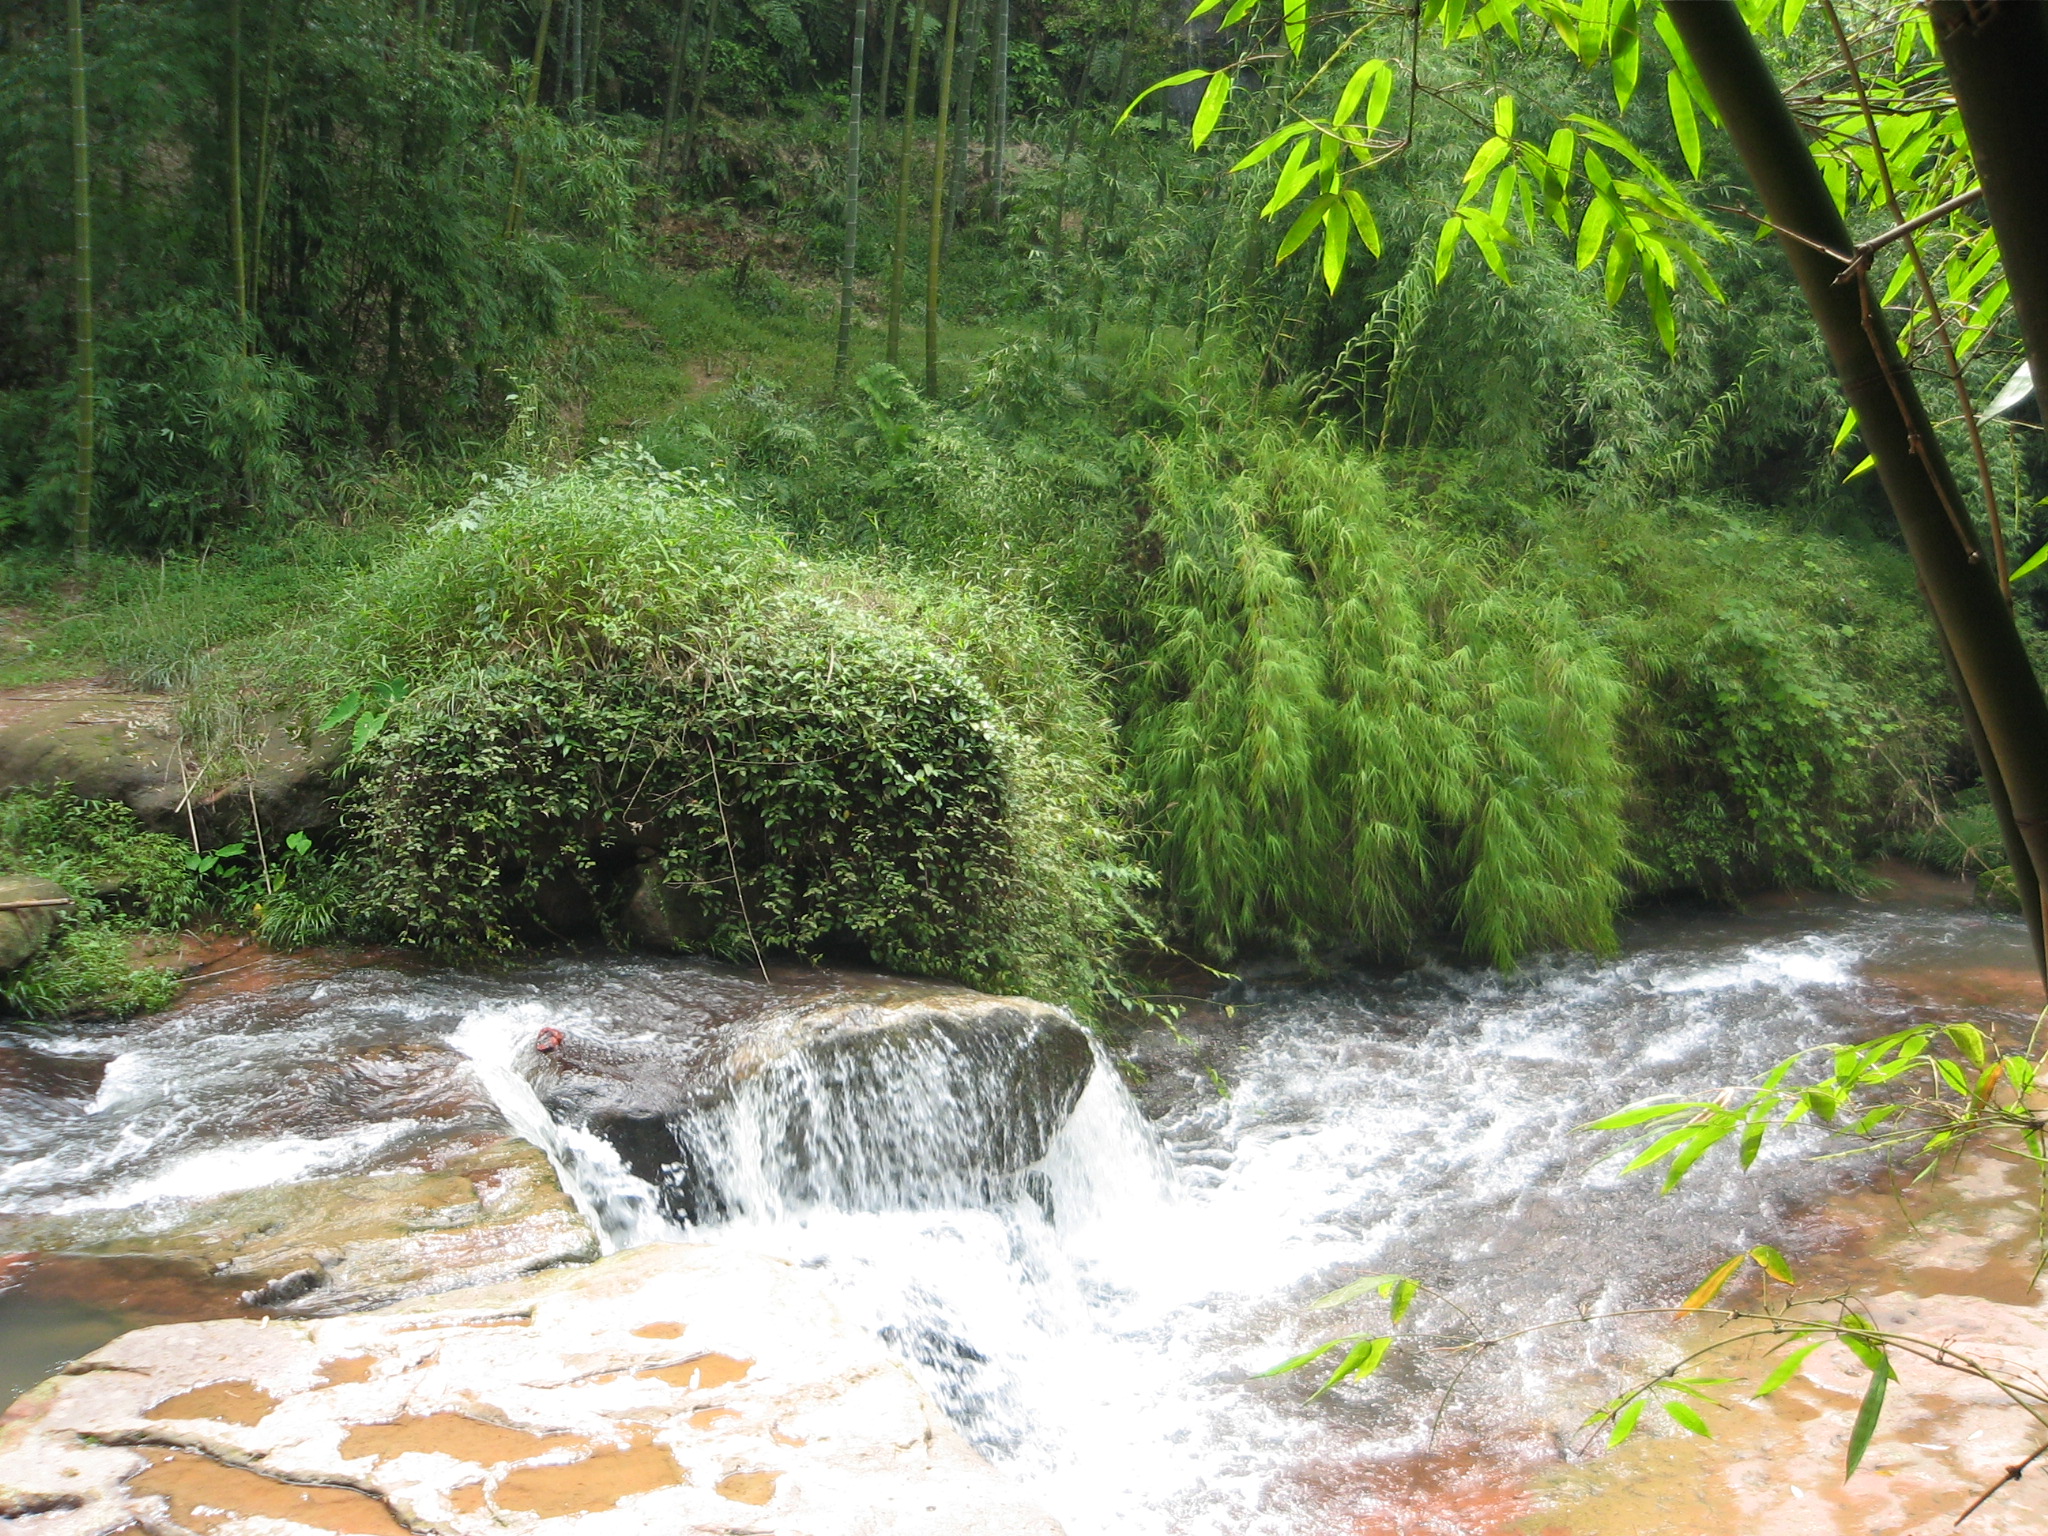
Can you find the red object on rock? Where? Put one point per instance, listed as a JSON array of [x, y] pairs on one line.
[[549, 1039]]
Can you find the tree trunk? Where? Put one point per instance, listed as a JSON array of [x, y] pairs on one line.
[[515, 213], [675, 80], [934, 248], [914, 12], [81, 278], [963, 101], [851, 249], [697, 75], [999, 112], [1990, 659]]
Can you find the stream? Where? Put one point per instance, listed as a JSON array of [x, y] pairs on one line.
[[1095, 1324]]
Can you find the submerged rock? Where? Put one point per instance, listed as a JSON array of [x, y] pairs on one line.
[[668, 1389], [338, 1244], [889, 1098]]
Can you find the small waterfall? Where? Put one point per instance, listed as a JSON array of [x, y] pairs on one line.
[[622, 1210]]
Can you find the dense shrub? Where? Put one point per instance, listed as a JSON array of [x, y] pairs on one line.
[[617, 679]]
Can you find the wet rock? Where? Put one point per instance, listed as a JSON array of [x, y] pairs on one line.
[[663, 1389], [25, 930], [891, 1097], [338, 1244], [130, 747]]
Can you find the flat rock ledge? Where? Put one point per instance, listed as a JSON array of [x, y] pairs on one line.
[[671, 1389]]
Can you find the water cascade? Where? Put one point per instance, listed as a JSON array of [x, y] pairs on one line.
[[1089, 1293]]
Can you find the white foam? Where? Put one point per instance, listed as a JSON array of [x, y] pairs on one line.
[[240, 1165]]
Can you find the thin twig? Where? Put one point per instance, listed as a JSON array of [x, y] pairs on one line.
[[2012, 1475], [732, 858]]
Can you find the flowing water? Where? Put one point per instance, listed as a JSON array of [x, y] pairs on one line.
[[1094, 1321]]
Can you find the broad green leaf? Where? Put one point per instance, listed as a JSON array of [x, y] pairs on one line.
[[1868, 463], [1211, 109], [1787, 1368], [1621, 262], [1351, 1290], [1376, 104], [1504, 117], [1295, 19], [1952, 1074], [1794, 9], [1684, 120], [1486, 234], [1710, 1287], [1682, 62], [1592, 31], [1772, 1263], [345, 710], [1160, 85], [1625, 1421], [1686, 1417], [1204, 8], [1662, 1147]]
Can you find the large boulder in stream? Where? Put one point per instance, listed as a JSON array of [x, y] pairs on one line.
[[24, 928], [878, 1099], [667, 1389]]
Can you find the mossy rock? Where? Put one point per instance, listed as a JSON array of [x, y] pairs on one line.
[[25, 930]]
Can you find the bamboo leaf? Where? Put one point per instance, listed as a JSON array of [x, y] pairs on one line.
[[1504, 117], [1626, 48], [1625, 1421], [1684, 119], [1304, 225], [1361, 215], [1160, 85], [1362, 78], [1351, 1290], [1403, 1298], [1639, 1116], [1969, 1039], [1295, 175], [1362, 1361], [1271, 145], [1295, 17], [1787, 1368], [1447, 245], [1842, 432], [1687, 1417], [1211, 109], [1866, 1418], [1710, 1287], [1772, 1263], [1659, 298], [1299, 1361]]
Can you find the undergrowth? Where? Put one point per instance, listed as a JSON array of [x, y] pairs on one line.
[[124, 882]]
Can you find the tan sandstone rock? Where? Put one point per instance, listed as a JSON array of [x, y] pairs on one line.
[[669, 1389]]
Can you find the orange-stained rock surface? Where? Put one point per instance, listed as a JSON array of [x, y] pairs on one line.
[[563, 1403]]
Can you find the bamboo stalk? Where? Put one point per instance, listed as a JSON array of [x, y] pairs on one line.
[[263, 147], [888, 65], [81, 276], [675, 79], [1991, 661], [963, 100], [935, 246], [515, 213], [697, 76], [851, 249], [236, 239], [999, 113], [914, 12]]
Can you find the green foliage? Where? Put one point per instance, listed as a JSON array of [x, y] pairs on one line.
[[1354, 727], [122, 880], [621, 687], [383, 296], [103, 857]]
